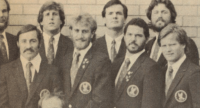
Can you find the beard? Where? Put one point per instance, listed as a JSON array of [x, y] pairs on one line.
[[139, 48], [156, 28]]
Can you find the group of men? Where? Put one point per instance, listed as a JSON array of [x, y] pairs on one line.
[[121, 69]]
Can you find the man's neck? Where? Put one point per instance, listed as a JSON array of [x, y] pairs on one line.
[[53, 32], [114, 33]]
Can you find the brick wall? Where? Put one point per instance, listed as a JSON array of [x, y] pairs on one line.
[[25, 12]]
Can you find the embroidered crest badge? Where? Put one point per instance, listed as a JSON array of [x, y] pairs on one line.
[[85, 87], [132, 91], [181, 96]]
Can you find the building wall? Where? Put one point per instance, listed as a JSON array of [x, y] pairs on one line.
[[25, 12]]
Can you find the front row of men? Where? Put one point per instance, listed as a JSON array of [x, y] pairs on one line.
[[90, 81]]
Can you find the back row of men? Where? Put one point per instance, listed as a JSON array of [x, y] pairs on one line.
[[118, 70]]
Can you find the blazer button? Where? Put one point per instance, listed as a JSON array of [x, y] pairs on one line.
[[70, 106]]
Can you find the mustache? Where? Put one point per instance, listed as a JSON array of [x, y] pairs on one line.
[[133, 42], [29, 49], [81, 39], [160, 19]]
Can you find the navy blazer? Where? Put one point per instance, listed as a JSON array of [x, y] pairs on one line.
[[101, 46], [193, 54], [93, 71], [13, 88], [184, 91], [12, 47], [146, 80]]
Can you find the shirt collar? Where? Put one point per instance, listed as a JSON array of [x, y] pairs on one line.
[[133, 56], [177, 64], [47, 37], [35, 61], [4, 34], [109, 39], [83, 51]]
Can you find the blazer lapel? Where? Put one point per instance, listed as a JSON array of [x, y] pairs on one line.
[[42, 50], [133, 69], [122, 49], [18, 73], [149, 46], [104, 46], [67, 67], [61, 49], [37, 81], [180, 73], [82, 69]]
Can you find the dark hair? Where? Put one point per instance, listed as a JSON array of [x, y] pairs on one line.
[[51, 5], [28, 28], [8, 5], [115, 2], [167, 3], [181, 35], [138, 22]]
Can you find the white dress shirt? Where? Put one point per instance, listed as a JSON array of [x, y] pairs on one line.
[[109, 40], [55, 42], [153, 48], [82, 53], [6, 43], [133, 58], [35, 65], [176, 65]]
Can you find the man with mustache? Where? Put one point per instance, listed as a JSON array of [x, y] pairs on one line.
[[139, 81], [8, 46], [22, 80], [181, 75], [55, 45], [161, 13], [86, 72], [114, 16]]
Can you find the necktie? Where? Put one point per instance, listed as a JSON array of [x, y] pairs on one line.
[[3, 49], [123, 73], [168, 79], [28, 75], [50, 54], [113, 51], [155, 53], [74, 68]]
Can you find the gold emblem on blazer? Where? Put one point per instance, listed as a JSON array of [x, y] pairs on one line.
[[132, 90], [181, 96], [85, 87]]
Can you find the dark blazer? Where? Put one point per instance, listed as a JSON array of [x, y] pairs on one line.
[[65, 44], [187, 82], [192, 54], [13, 88], [147, 79], [101, 46], [12, 47], [96, 73]]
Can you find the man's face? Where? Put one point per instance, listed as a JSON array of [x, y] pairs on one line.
[[114, 17], [135, 39], [171, 48], [52, 102], [81, 36], [160, 16], [4, 15], [28, 44], [51, 20]]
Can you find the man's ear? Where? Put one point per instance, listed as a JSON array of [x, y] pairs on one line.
[[17, 44]]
